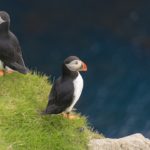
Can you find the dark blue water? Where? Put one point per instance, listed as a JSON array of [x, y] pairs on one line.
[[116, 95]]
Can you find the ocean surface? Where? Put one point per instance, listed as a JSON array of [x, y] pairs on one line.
[[116, 95]]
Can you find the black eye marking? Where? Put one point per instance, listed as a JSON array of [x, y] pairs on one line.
[[76, 62], [3, 17]]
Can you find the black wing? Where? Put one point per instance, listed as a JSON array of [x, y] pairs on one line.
[[60, 97], [10, 53]]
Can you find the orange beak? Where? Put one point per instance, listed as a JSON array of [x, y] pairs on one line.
[[84, 67]]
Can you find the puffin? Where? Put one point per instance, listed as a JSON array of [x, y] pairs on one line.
[[11, 58], [67, 89]]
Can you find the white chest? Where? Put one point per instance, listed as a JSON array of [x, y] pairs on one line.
[[78, 86]]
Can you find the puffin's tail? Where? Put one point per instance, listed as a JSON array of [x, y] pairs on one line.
[[53, 109], [24, 71], [19, 68]]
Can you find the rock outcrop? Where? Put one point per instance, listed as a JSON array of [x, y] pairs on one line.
[[131, 142]]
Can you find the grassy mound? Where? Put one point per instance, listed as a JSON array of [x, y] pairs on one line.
[[22, 98]]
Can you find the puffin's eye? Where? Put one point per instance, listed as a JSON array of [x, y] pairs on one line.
[[3, 17], [76, 62]]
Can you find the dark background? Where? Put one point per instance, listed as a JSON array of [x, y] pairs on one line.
[[111, 36]]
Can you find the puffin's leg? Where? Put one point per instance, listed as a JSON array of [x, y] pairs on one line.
[[8, 70], [70, 116], [1, 73]]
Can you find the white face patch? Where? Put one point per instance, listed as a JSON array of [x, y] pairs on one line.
[[74, 65], [1, 20]]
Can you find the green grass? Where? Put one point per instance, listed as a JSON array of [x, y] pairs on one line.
[[22, 98]]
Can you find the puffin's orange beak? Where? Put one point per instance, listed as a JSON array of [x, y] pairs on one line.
[[84, 67]]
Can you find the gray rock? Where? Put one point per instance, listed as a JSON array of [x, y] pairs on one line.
[[131, 142]]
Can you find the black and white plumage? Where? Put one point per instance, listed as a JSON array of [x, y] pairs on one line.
[[67, 89], [10, 50]]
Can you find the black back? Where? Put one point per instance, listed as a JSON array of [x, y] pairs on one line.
[[10, 51], [61, 95]]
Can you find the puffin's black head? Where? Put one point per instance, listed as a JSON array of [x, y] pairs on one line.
[[4, 18], [73, 63]]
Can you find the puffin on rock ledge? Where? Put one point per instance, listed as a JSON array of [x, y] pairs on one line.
[[10, 51], [67, 88]]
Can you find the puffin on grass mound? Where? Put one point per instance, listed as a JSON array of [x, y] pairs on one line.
[[10, 50], [67, 88]]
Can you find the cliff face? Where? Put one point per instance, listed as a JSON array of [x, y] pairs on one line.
[[132, 142]]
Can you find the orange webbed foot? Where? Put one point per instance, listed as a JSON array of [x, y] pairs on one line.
[[70, 116], [1, 73]]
